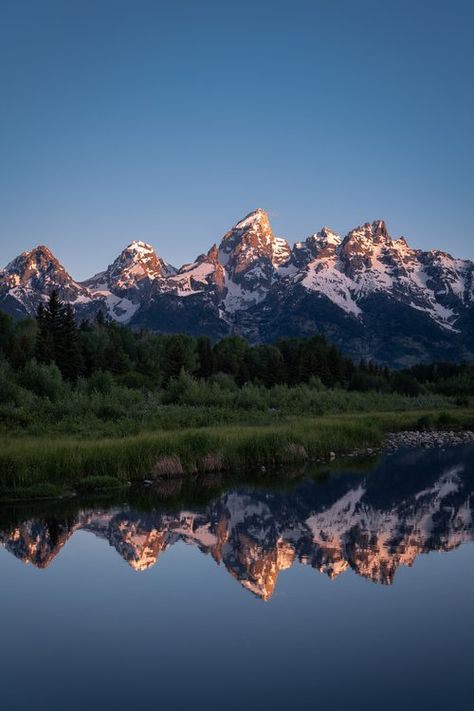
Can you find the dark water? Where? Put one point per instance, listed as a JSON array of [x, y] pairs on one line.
[[355, 593]]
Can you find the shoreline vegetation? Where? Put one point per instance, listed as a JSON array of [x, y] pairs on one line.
[[39, 467], [93, 406]]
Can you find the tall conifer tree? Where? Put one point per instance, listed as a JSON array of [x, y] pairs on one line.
[[68, 353]]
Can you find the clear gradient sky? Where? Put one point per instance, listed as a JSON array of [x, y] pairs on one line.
[[167, 121]]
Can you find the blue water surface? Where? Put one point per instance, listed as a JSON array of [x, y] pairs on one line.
[[351, 593]]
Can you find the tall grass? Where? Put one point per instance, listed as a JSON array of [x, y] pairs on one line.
[[66, 460], [122, 411]]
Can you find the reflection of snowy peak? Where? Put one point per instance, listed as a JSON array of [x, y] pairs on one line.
[[373, 295], [371, 525], [375, 543]]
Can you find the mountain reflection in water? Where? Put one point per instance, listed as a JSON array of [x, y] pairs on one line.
[[410, 503]]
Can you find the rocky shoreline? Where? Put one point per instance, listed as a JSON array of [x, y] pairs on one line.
[[427, 439], [412, 439]]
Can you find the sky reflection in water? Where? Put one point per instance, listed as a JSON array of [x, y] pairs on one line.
[[173, 627]]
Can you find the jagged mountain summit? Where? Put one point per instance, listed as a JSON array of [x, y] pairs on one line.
[[127, 282], [374, 296], [28, 279], [251, 256], [118, 291]]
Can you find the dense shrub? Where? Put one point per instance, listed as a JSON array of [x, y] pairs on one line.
[[102, 378], [43, 380], [100, 382]]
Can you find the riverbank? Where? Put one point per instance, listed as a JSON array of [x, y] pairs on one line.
[[427, 439], [49, 466]]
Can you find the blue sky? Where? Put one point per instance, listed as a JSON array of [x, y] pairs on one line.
[[169, 120]]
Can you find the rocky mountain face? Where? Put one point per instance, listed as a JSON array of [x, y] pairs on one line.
[[128, 281], [26, 281], [374, 296], [251, 256], [371, 525]]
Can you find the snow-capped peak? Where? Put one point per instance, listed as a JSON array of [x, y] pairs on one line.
[[369, 233], [136, 266], [32, 276], [255, 283], [253, 217], [324, 239], [37, 258], [251, 256], [38, 267], [139, 248], [329, 236], [369, 261], [252, 239], [128, 281]]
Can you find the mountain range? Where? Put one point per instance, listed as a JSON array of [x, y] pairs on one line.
[[411, 504], [372, 295]]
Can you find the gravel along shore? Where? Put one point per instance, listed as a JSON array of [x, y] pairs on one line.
[[428, 439], [412, 440]]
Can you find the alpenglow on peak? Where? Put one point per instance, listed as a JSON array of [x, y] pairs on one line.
[[373, 295]]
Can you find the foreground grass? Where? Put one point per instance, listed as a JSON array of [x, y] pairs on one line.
[[27, 463], [124, 412]]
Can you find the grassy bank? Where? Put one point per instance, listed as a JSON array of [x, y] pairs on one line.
[[92, 407], [120, 411], [46, 464]]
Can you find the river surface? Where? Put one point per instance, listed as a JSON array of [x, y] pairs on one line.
[[352, 593]]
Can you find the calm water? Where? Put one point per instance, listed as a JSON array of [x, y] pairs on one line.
[[355, 593]]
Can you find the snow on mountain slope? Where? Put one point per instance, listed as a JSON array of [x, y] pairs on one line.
[[321, 273], [127, 281], [240, 271], [250, 240], [373, 295], [135, 267], [251, 256], [205, 273], [29, 278], [368, 261]]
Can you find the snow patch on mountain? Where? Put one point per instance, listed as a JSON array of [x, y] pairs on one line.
[[368, 261], [253, 269], [118, 308], [191, 278], [324, 277]]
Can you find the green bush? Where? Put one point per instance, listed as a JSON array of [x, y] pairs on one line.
[[11, 394], [40, 490], [91, 484], [100, 382], [446, 419], [425, 422], [405, 383], [43, 380]]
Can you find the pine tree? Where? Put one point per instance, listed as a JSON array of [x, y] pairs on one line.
[[68, 352], [45, 351], [336, 366], [57, 338], [205, 357], [314, 360], [54, 314], [100, 319], [178, 354]]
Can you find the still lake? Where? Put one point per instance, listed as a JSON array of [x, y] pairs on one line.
[[356, 592]]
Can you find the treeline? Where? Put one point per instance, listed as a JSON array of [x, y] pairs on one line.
[[149, 361]]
